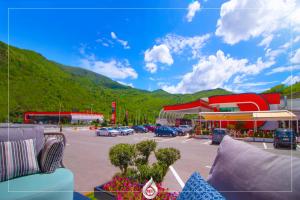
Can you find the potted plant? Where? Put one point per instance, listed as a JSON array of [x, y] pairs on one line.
[[135, 171]]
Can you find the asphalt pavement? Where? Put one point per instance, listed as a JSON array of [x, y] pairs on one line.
[[87, 156]]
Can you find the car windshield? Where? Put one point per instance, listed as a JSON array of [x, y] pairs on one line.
[[109, 129], [285, 133]]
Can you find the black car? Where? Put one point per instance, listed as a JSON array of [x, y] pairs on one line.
[[140, 129], [285, 137]]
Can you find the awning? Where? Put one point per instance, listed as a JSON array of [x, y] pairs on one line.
[[270, 115]]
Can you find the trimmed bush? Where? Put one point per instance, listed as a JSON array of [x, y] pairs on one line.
[[121, 155], [156, 171], [167, 156], [144, 149]]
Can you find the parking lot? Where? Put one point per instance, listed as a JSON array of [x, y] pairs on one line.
[[87, 156]]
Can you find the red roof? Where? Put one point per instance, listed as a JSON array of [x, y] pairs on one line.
[[190, 105]]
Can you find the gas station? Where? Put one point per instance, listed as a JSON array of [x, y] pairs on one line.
[[257, 111]]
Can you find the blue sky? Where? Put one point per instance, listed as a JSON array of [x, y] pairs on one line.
[[178, 46]]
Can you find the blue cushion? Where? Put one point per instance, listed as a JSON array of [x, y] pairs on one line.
[[196, 188], [57, 185]]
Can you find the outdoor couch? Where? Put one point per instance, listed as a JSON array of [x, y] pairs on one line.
[[242, 171], [58, 185]]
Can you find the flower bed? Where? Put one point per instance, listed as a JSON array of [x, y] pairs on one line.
[[122, 188]]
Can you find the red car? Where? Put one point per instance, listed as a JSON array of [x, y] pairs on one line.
[[150, 128]]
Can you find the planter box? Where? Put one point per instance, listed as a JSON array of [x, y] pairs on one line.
[[202, 136], [102, 194], [256, 139]]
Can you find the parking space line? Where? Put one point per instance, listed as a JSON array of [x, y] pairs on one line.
[[179, 180], [298, 145], [265, 146], [207, 142], [186, 140], [208, 166], [166, 140]]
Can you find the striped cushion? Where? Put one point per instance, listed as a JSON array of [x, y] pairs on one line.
[[52, 155], [17, 158]]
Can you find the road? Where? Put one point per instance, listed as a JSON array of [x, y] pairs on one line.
[[87, 156]]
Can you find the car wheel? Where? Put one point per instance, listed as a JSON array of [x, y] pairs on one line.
[[294, 147]]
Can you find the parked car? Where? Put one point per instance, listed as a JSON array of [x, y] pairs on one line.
[[218, 134], [165, 131], [150, 127], [185, 128], [107, 131], [285, 137], [131, 131], [123, 130], [140, 129], [178, 130]]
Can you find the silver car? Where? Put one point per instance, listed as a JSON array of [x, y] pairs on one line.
[[107, 131]]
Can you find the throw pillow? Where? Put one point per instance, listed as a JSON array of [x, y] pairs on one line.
[[17, 158], [243, 171], [197, 188]]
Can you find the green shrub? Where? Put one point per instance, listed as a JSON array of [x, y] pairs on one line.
[[167, 156], [121, 155], [156, 171], [144, 149], [133, 160], [205, 132]]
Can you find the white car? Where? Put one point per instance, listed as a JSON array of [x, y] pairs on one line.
[[185, 128], [123, 131], [131, 131], [107, 132]]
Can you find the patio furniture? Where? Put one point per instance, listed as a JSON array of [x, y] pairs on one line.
[[243, 171], [58, 185]]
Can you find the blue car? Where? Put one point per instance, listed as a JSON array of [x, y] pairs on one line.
[[165, 131], [285, 137], [178, 130], [218, 134], [140, 129]]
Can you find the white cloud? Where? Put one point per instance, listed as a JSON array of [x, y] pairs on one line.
[[272, 54], [266, 41], [177, 44], [151, 67], [192, 9], [157, 54], [113, 69], [291, 80], [113, 35], [215, 71], [126, 84], [242, 20], [296, 57], [283, 69], [124, 43]]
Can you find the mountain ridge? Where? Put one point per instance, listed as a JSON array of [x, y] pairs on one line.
[[39, 84]]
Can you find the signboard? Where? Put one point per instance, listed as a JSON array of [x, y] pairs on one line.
[[113, 112]]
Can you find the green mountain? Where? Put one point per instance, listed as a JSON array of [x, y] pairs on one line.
[[291, 91], [38, 84]]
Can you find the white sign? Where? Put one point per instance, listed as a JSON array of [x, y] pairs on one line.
[[150, 190]]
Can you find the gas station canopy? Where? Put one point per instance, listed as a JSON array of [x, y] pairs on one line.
[[269, 115]]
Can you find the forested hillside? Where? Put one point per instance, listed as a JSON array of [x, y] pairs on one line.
[[38, 84]]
